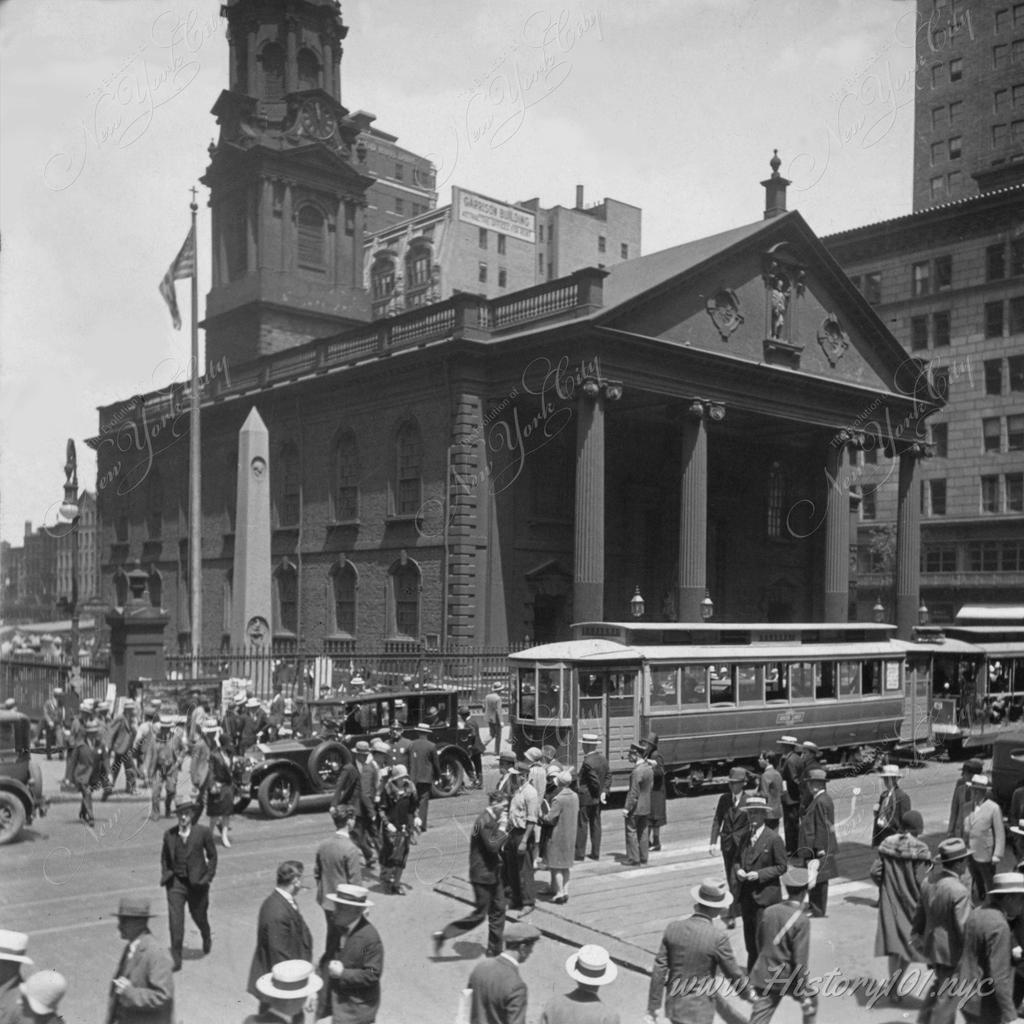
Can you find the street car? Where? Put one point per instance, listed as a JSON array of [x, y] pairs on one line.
[[278, 773], [21, 782]]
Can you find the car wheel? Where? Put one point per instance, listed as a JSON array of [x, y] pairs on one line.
[[325, 764], [453, 776], [240, 804], [278, 795], [12, 817]]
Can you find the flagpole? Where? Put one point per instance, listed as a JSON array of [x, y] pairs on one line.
[[195, 529]]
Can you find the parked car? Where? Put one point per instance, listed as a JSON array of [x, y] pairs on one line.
[[277, 774], [1007, 765], [21, 782]]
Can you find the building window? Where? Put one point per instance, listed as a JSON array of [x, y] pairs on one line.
[[309, 70], [1017, 315], [940, 439], [417, 266], [955, 179], [990, 431], [287, 581], [920, 278], [481, 275], [1018, 16], [410, 466], [1017, 56], [482, 238], [956, 69], [955, 147], [938, 381], [943, 273], [1000, 55], [776, 500], [501, 244], [343, 585], [382, 277], [1002, 20], [873, 286], [272, 59], [938, 75], [1011, 556], [1015, 364], [1014, 492], [990, 494], [624, 251], [938, 558], [937, 187], [918, 333], [871, 454], [234, 228], [1017, 257], [399, 205], [938, 154], [993, 319], [995, 262], [399, 171], [601, 243], [290, 494], [312, 238], [350, 220], [938, 117], [540, 263], [867, 504], [1015, 433], [405, 580], [983, 556], [540, 232], [993, 376], [956, 113], [1000, 135], [502, 277], [937, 497], [346, 478], [940, 329], [1000, 100]]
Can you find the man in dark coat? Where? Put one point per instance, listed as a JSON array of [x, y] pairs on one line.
[[499, 992], [892, 805], [364, 832], [729, 829], [760, 863], [817, 839], [338, 862], [808, 763], [142, 989], [960, 805], [594, 781], [490, 830], [355, 966], [233, 725], [790, 769], [121, 742], [281, 930], [84, 767], [399, 744], [637, 809], [188, 862], [424, 769]]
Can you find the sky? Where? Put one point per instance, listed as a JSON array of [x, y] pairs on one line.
[[674, 106]]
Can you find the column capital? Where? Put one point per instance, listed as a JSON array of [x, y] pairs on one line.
[[701, 408], [601, 387]]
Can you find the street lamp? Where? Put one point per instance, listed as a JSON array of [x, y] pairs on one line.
[[70, 511], [707, 606], [878, 612], [636, 605]]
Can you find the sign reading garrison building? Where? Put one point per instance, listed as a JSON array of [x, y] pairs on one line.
[[486, 213]]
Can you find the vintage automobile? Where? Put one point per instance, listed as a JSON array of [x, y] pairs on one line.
[[278, 773], [21, 782]]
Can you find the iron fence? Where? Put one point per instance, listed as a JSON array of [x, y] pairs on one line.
[[31, 681]]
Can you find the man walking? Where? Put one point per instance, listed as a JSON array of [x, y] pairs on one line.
[[960, 805], [356, 963], [84, 768], [143, 986], [424, 769], [891, 806], [594, 781], [121, 743], [492, 710], [364, 832], [729, 829], [338, 862], [188, 862], [817, 839], [984, 835], [790, 769], [53, 724], [637, 810], [499, 992], [590, 967], [693, 952], [760, 864], [523, 826]]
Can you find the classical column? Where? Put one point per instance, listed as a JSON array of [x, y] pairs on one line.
[[291, 65], [693, 515], [588, 574], [837, 535], [908, 543]]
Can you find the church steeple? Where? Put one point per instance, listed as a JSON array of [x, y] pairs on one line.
[[287, 184]]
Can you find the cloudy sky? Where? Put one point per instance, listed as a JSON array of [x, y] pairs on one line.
[[672, 105]]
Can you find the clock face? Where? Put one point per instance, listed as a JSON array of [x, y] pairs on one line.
[[317, 120]]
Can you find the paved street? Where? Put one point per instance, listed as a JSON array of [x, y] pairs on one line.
[[62, 882]]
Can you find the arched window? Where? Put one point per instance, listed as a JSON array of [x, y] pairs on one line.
[[343, 588], [382, 277], [309, 69], [346, 478], [405, 582], [290, 493], [286, 580], [312, 238], [417, 266], [409, 487], [154, 504], [776, 500], [272, 59]]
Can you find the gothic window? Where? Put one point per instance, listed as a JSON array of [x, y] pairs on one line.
[[312, 238], [409, 452], [272, 59], [343, 587], [346, 477], [405, 581], [154, 504], [309, 69], [289, 494], [776, 500], [287, 586]]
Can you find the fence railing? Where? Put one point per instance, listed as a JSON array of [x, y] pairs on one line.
[[30, 682]]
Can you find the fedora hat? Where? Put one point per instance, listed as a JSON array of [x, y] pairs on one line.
[[133, 906], [952, 850], [290, 979], [738, 775], [979, 782], [796, 878], [350, 896], [14, 946], [43, 991], [651, 742], [182, 805], [1007, 883], [890, 771], [712, 893], [817, 775], [518, 932], [788, 740], [591, 965], [362, 747]]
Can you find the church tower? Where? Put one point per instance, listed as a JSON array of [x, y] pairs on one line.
[[287, 184]]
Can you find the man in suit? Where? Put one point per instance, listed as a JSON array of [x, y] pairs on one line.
[[338, 862], [355, 965], [984, 835], [594, 781], [961, 802], [424, 769], [492, 711], [790, 769], [281, 930], [122, 740], [13, 954], [188, 862], [53, 723], [84, 767], [729, 828], [891, 806], [490, 830], [143, 986], [760, 863], [199, 771], [233, 724], [817, 839], [523, 828], [364, 832], [808, 763], [637, 809], [770, 786], [285, 990], [399, 744], [692, 952], [499, 992], [939, 925]]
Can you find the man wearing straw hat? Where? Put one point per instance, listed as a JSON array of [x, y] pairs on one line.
[[143, 985], [961, 801], [13, 953], [285, 992], [891, 806], [355, 965], [760, 863], [594, 782], [984, 834], [84, 767], [41, 996], [590, 967], [790, 766], [691, 955]]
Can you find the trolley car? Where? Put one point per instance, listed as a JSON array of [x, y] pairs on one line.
[[715, 694]]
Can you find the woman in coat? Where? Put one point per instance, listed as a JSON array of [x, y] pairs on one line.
[[220, 784], [658, 813], [900, 868], [563, 817], [398, 803]]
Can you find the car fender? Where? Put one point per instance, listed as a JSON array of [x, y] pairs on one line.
[[22, 792], [262, 770], [459, 752]]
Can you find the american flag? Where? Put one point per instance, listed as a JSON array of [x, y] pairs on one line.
[[184, 266]]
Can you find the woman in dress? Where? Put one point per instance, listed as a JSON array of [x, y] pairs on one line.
[[398, 804], [563, 817], [221, 792], [658, 813]]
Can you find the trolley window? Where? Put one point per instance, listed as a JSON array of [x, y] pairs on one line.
[[694, 686], [621, 694], [826, 687], [664, 691], [549, 692], [723, 687], [776, 682], [801, 680], [849, 679], [748, 683], [871, 679]]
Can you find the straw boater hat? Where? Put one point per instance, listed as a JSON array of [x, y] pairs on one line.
[[378, 746], [712, 893], [43, 991], [533, 754], [424, 727], [89, 704], [890, 771], [979, 782], [790, 741], [591, 965], [182, 805], [350, 896], [133, 906], [810, 745], [290, 979], [239, 698], [756, 803], [252, 702], [91, 728], [1007, 883], [589, 737], [952, 850], [14, 946], [362, 747]]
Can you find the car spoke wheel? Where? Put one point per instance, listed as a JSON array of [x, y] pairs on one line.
[[325, 764], [12, 817], [278, 795], [453, 776]]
